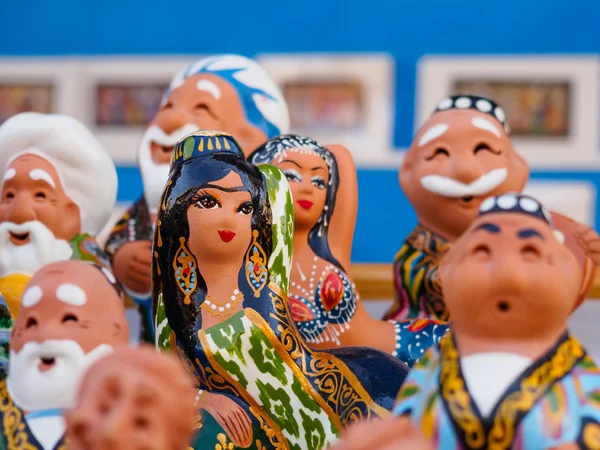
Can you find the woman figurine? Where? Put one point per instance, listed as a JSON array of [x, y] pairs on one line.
[[220, 277], [324, 302]]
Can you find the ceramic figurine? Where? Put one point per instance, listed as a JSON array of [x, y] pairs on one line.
[[223, 259], [71, 315], [508, 374], [324, 302], [133, 399], [226, 92], [59, 187], [460, 156]]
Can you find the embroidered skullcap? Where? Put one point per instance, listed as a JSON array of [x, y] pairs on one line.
[[515, 203], [481, 104], [204, 142]]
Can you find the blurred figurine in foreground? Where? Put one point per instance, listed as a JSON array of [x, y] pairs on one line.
[[59, 187], [509, 374], [134, 399], [71, 315], [459, 157], [226, 92], [323, 300]]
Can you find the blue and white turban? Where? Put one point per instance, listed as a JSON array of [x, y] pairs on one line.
[[261, 99]]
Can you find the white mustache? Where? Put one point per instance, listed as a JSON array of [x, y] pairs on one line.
[[449, 187], [156, 134]]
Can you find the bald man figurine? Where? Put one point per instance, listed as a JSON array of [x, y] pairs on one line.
[[134, 399], [459, 157], [72, 314], [508, 373]]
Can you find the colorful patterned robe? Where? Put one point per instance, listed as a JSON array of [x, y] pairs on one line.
[[416, 282], [6, 324], [135, 225], [554, 401], [15, 433]]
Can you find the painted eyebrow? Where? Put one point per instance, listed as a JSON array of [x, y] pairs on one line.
[[489, 227], [290, 161], [319, 168], [42, 175], [528, 233], [226, 189]]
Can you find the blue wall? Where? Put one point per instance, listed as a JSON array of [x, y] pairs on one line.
[[407, 29]]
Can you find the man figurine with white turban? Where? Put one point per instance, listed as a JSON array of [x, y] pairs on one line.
[[72, 315], [59, 187], [459, 157], [228, 93]]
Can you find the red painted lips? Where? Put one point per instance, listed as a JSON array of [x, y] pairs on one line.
[[305, 204], [226, 235]]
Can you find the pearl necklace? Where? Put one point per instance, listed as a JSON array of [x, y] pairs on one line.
[[311, 281], [218, 310]]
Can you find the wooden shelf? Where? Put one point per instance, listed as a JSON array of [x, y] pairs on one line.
[[375, 282]]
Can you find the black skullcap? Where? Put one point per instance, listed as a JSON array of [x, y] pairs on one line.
[[515, 203], [481, 104]]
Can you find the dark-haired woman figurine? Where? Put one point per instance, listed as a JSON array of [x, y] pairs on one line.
[[220, 278], [324, 302]]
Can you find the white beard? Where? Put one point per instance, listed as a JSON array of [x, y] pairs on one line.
[[155, 176], [57, 388], [43, 248]]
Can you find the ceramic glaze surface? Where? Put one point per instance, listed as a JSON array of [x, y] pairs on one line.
[[511, 284], [109, 412], [222, 246], [58, 189], [324, 302], [458, 158], [226, 92], [72, 315]]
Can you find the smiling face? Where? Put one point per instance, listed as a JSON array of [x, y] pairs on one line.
[[32, 191], [457, 159], [70, 316], [308, 176], [219, 219], [508, 277], [202, 102]]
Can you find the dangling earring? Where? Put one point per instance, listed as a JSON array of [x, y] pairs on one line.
[[184, 265], [256, 266]]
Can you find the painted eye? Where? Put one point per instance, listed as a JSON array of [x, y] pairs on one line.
[[201, 107], [318, 182], [40, 195], [9, 195], [208, 202], [482, 251], [169, 105], [438, 152], [531, 252], [31, 322], [245, 209], [483, 147], [70, 318], [293, 176]]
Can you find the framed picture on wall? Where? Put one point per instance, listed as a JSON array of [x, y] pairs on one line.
[[120, 96], [44, 85], [551, 103], [129, 105], [339, 99], [17, 97]]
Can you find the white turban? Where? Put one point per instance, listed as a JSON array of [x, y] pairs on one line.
[[86, 170]]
